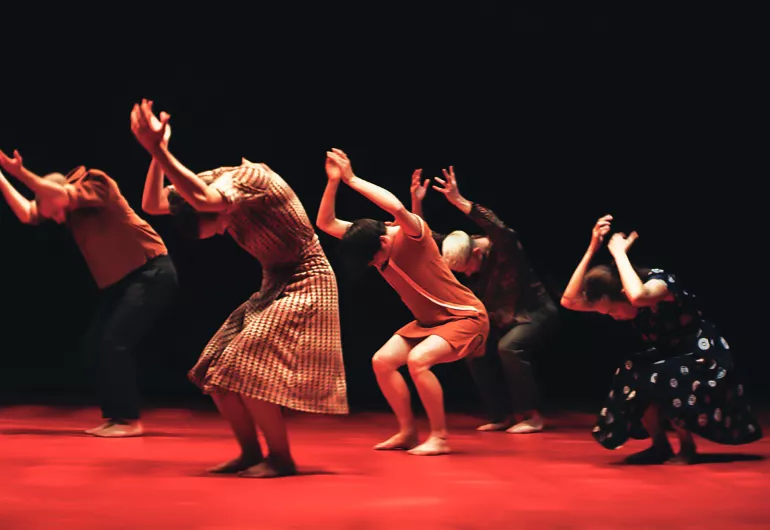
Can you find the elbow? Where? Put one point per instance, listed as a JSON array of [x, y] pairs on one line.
[[400, 211], [637, 298], [151, 208], [322, 225], [567, 303]]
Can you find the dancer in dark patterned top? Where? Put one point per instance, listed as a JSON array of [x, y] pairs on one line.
[[522, 314], [280, 348], [687, 375]]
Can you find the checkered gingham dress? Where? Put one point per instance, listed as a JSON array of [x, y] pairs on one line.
[[283, 344]]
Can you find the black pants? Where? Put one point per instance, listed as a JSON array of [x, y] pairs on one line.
[[504, 374], [126, 314]]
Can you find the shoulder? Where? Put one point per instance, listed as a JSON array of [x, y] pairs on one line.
[[424, 230]]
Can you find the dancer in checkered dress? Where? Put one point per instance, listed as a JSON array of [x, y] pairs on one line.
[[280, 348]]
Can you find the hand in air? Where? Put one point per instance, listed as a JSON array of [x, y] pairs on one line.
[[417, 189], [11, 165], [338, 166], [147, 128], [620, 243], [601, 229], [449, 185]]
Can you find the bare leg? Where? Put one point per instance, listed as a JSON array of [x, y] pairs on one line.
[[687, 450], [233, 409], [269, 418], [386, 363], [431, 351], [660, 451]]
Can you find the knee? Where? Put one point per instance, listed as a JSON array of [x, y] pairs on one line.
[[417, 364], [382, 363]]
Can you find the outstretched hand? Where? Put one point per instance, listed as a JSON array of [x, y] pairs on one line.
[[448, 186], [11, 165], [417, 189], [148, 129], [338, 166], [620, 243]]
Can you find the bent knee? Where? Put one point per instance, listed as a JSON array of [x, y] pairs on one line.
[[383, 363], [418, 363]]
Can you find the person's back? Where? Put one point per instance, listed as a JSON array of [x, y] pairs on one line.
[[265, 217], [113, 239]]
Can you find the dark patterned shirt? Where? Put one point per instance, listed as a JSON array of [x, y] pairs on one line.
[[506, 282], [670, 326]]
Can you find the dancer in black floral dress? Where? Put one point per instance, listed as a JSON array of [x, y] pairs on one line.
[[687, 374]]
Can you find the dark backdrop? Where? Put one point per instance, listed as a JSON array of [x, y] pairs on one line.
[[551, 119]]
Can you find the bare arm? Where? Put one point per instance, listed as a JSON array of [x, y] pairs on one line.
[[418, 190], [573, 295], [409, 223], [640, 294], [15, 167], [23, 208], [327, 216], [150, 131], [155, 196]]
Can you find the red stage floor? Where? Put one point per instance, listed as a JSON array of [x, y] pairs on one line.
[[54, 478]]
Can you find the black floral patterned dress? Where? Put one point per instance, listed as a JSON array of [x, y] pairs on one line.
[[688, 371]]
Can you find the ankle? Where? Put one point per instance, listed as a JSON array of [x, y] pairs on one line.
[[407, 429], [439, 433]]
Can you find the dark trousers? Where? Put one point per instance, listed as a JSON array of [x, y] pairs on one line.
[[125, 315], [504, 373]]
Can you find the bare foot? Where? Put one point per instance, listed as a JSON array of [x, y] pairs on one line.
[[433, 446], [121, 430], [495, 426], [528, 426], [402, 441], [236, 465], [105, 425], [270, 468]]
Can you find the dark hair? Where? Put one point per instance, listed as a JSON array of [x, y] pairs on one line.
[[185, 218], [360, 243], [604, 280]]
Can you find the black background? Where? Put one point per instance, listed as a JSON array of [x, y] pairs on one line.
[[551, 119]]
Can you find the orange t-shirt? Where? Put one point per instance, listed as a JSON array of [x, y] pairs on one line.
[[113, 239], [425, 283]]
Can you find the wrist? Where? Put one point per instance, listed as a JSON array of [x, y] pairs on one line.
[[462, 204]]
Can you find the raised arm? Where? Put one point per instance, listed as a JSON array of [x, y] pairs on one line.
[[408, 222], [485, 218], [149, 131], [155, 196], [640, 294], [573, 295], [23, 208], [418, 190], [15, 167], [327, 215]]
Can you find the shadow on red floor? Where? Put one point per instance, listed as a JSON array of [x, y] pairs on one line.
[[54, 477]]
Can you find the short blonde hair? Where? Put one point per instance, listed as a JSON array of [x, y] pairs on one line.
[[456, 249]]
